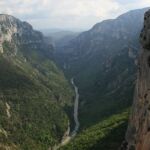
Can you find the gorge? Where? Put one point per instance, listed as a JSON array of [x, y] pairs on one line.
[[104, 67], [41, 108]]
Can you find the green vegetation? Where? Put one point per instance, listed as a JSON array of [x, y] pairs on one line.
[[106, 135], [105, 75], [35, 99], [105, 89]]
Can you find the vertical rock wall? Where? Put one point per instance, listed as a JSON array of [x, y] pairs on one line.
[[138, 133]]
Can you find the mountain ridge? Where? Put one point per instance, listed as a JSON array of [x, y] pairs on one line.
[[103, 62], [93, 54], [36, 100]]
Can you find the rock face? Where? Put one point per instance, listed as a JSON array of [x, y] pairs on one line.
[[17, 33], [138, 133]]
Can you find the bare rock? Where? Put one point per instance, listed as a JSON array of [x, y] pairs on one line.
[[138, 133]]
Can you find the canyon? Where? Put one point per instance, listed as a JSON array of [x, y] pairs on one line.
[[75, 94]]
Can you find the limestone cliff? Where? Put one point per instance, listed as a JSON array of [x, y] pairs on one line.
[[17, 33], [138, 133]]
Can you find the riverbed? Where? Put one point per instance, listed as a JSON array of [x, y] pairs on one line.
[[66, 139]]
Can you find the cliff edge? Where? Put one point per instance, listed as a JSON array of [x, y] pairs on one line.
[[138, 133]]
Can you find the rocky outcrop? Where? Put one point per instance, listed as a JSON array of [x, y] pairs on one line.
[[138, 133], [16, 33]]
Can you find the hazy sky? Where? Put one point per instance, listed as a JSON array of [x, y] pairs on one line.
[[68, 13]]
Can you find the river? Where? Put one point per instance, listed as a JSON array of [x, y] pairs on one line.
[[76, 105], [68, 136]]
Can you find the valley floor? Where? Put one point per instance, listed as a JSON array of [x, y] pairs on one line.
[[68, 136]]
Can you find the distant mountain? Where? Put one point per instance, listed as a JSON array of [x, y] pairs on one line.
[[50, 31], [103, 62], [60, 38], [63, 38], [34, 94]]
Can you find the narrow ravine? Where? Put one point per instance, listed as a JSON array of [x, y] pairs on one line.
[[68, 136]]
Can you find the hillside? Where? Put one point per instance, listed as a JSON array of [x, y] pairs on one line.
[[103, 62], [106, 135], [104, 65], [35, 97]]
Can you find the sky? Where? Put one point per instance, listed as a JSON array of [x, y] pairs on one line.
[[68, 14]]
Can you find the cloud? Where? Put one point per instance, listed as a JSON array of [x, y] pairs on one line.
[[68, 13]]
